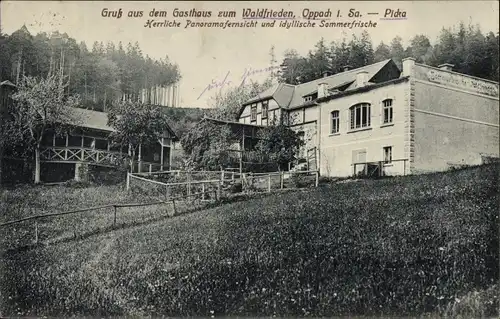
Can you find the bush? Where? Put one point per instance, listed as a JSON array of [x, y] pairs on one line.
[[300, 180], [107, 176]]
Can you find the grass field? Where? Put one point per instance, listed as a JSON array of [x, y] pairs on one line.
[[403, 246]]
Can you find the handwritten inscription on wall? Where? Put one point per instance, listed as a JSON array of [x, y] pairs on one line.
[[463, 82]]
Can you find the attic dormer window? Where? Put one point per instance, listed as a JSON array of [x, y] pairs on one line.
[[311, 97]]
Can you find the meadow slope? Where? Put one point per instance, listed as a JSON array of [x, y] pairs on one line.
[[411, 245]]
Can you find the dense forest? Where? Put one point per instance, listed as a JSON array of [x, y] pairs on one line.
[[466, 47], [99, 74], [106, 72]]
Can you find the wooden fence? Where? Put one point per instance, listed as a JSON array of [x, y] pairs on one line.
[[205, 190], [380, 168], [248, 181], [113, 209]]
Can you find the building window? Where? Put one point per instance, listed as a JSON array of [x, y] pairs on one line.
[[387, 111], [253, 113], [308, 98], [302, 136], [387, 154], [335, 122], [360, 116], [265, 107]]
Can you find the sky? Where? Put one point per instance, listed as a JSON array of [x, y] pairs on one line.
[[209, 55]]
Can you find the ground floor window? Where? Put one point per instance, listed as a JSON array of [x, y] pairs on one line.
[[387, 154]]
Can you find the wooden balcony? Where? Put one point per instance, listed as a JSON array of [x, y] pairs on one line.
[[56, 154]]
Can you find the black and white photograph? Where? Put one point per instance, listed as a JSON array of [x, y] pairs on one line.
[[303, 159]]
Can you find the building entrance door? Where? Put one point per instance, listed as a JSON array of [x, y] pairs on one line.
[[359, 158]]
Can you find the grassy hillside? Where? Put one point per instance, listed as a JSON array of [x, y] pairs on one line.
[[403, 246]]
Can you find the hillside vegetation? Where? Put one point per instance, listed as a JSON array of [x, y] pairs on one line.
[[403, 246]]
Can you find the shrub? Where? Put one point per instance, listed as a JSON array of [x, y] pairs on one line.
[[300, 180]]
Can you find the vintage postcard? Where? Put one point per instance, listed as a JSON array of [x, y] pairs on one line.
[[249, 159]]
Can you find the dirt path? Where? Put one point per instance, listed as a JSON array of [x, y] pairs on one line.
[[102, 279]]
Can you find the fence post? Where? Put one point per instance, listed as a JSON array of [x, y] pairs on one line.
[[243, 182], [128, 181], [175, 209], [317, 178], [404, 167], [114, 217], [36, 232], [232, 176], [218, 191], [189, 184], [202, 191], [269, 184], [282, 177], [222, 176]]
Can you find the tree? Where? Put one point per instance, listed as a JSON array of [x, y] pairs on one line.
[[339, 56], [272, 63], [420, 48], [208, 145], [382, 52], [492, 55], [475, 61], [227, 104], [397, 51], [8, 135], [279, 143], [360, 51], [136, 125], [292, 68], [317, 63], [42, 105]]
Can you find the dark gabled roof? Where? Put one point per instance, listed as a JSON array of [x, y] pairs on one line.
[[339, 87], [91, 119], [99, 120], [281, 93], [291, 96]]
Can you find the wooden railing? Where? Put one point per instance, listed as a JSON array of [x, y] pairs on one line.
[[79, 154], [94, 156], [217, 180], [378, 168], [112, 208]]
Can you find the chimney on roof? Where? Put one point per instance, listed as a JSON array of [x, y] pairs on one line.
[[361, 78], [446, 67], [408, 65], [325, 74], [322, 90], [347, 68]]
